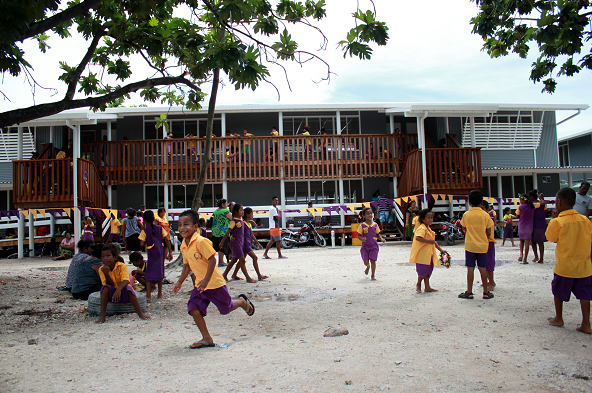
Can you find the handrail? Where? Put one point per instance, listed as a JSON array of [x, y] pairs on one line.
[[90, 188]]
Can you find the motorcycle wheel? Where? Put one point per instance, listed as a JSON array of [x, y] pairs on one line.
[[449, 238], [287, 244], [320, 240]]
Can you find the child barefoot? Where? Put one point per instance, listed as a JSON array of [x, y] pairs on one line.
[[573, 267], [115, 280], [369, 233], [200, 257], [490, 251], [423, 250], [87, 230], [508, 227], [153, 236], [247, 244], [236, 228], [138, 261]]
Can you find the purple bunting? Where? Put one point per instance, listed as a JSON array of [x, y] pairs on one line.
[[328, 209], [428, 197], [123, 213], [375, 204], [344, 208], [382, 203], [420, 198]]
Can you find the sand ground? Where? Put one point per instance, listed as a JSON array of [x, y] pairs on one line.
[[398, 340]]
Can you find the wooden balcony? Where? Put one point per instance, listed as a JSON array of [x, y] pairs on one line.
[[251, 158], [50, 183], [449, 171]]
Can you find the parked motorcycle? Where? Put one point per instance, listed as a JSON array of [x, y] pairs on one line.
[[303, 235], [452, 231]]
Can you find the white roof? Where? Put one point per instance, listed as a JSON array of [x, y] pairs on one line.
[[86, 116], [576, 135]]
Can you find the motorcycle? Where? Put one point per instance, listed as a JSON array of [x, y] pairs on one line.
[[452, 231], [303, 235]]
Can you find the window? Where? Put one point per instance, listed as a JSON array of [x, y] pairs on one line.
[[180, 128], [181, 195], [350, 125], [353, 191], [563, 154], [321, 191], [294, 125]]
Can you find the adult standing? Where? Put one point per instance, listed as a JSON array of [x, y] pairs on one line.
[[583, 201], [274, 229], [220, 221]]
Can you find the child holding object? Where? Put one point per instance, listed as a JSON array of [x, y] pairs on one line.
[[423, 250], [115, 279], [236, 228], [508, 227], [153, 236], [139, 263], [200, 257], [573, 267], [478, 225], [369, 233]]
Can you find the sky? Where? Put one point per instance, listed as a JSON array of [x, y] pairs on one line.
[[431, 57]]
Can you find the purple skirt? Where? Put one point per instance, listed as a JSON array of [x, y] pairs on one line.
[[538, 233], [124, 294], [509, 232], [236, 247], [424, 271]]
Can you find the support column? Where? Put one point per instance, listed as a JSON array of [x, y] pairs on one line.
[[283, 200], [569, 179], [341, 196], [341, 213], [392, 123], [110, 196], [500, 195], [51, 131], [535, 181], [51, 224], [422, 137], [513, 190], [223, 125], [109, 130], [473, 142], [31, 235], [166, 196], [19, 153], [21, 234], [76, 152], [225, 190]]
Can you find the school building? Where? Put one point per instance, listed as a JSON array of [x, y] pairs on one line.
[[120, 159]]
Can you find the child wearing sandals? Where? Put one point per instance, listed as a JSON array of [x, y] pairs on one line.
[[423, 250], [200, 257], [479, 226], [368, 232], [115, 279], [573, 267]]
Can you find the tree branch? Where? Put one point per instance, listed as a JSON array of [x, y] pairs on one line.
[[21, 115], [73, 79], [57, 19]]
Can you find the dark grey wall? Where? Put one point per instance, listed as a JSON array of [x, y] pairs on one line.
[[129, 196], [372, 184], [130, 126], [507, 158], [254, 193], [549, 189], [580, 151], [547, 153], [5, 174], [258, 124], [373, 122]]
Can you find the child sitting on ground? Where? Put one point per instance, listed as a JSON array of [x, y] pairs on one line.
[[478, 225], [508, 227], [115, 280], [423, 250], [138, 261], [200, 257], [573, 267]]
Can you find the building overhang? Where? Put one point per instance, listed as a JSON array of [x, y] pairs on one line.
[[526, 171]]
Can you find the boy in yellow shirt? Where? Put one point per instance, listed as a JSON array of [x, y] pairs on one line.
[[200, 257], [478, 225], [573, 267]]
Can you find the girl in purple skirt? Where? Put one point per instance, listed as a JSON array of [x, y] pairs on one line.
[[423, 250], [368, 233], [237, 230], [88, 230], [154, 236], [525, 212], [539, 225], [508, 227]]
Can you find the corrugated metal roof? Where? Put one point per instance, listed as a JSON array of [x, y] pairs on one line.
[[576, 135]]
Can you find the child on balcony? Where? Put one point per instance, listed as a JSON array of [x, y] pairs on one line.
[[369, 233], [508, 227], [200, 257], [423, 250], [153, 236], [115, 280]]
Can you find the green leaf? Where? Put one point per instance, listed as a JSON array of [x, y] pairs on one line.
[[153, 22]]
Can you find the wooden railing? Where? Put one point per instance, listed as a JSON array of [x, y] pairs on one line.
[[447, 170], [50, 183], [251, 158]]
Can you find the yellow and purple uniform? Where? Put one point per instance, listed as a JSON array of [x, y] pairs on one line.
[[424, 254], [476, 221]]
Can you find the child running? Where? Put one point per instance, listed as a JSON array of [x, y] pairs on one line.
[[573, 268], [236, 228], [369, 233], [115, 279], [200, 257], [508, 227], [478, 225], [490, 251], [249, 238], [423, 250], [153, 236]]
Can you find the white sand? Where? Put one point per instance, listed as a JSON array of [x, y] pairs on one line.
[[398, 340]]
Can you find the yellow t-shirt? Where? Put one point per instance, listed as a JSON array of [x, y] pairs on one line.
[[246, 141], [142, 237], [415, 222], [476, 221], [423, 253], [275, 133], [119, 274], [308, 140], [197, 255], [573, 234], [115, 224]]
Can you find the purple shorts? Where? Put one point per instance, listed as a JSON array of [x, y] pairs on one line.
[[201, 300], [491, 257], [538, 234], [563, 287], [509, 232], [115, 238], [369, 254], [124, 294], [424, 271], [472, 257]]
